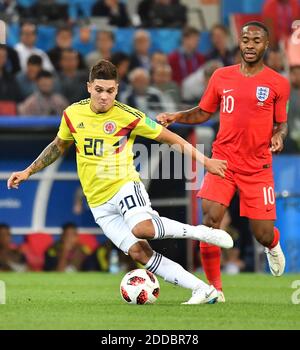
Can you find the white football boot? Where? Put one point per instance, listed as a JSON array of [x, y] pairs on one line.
[[276, 260], [221, 297], [213, 236], [200, 296]]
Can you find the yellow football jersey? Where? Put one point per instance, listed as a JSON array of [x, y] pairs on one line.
[[104, 144]]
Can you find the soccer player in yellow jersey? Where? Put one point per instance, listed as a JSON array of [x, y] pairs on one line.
[[103, 131]]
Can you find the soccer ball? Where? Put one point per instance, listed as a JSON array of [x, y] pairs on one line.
[[139, 287]]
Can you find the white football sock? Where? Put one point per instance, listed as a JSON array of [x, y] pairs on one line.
[[167, 228], [174, 273]]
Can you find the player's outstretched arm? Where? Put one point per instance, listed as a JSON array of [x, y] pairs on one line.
[[49, 155], [191, 116], [214, 166]]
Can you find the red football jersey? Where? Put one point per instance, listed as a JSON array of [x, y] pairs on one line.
[[249, 106]]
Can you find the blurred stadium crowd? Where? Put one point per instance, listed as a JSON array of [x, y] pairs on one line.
[[68, 252], [43, 79], [40, 77]]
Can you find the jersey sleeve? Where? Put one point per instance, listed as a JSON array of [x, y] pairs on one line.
[[210, 101], [282, 102], [64, 132], [147, 127]]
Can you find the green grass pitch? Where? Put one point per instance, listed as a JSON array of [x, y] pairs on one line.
[[92, 301]]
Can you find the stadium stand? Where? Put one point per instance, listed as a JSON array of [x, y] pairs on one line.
[[203, 15], [229, 7]]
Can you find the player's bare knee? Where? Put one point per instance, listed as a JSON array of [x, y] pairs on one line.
[[212, 220], [263, 232], [141, 252], [265, 239], [144, 230], [212, 213]]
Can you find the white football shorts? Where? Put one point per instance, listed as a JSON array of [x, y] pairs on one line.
[[118, 216]]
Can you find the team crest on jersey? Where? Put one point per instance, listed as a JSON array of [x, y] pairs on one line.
[[262, 93], [109, 127]]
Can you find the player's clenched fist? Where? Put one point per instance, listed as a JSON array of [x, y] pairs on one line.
[[166, 119], [16, 178], [276, 143], [216, 166]]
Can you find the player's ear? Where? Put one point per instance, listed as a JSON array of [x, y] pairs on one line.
[[89, 88], [267, 46]]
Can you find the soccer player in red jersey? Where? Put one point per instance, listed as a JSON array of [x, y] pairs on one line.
[[253, 103]]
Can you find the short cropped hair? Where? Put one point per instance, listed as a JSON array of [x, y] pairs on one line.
[[223, 28], [29, 23], [64, 28], [108, 33], [103, 70], [257, 24], [44, 74], [68, 225], [35, 60], [189, 31]]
